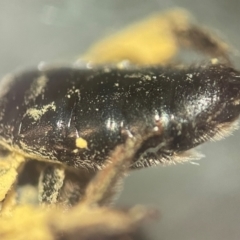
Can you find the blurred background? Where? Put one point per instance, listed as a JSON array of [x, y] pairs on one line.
[[196, 202]]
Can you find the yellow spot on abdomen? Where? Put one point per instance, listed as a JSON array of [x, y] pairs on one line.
[[81, 143]]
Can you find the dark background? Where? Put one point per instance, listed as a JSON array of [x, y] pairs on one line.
[[196, 202]]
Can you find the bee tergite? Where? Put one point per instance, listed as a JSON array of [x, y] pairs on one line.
[[76, 117]]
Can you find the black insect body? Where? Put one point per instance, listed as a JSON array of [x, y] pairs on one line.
[[78, 116]]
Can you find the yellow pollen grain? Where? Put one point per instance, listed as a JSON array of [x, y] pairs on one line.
[[214, 61], [75, 151], [81, 143]]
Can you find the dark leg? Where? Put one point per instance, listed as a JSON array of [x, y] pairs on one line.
[[97, 220], [202, 40], [103, 188], [75, 183], [50, 183]]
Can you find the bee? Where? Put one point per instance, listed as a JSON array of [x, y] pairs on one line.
[[80, 120]]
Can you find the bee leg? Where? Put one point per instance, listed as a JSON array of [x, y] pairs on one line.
[[202, 40], [74, 185], [9, 202], [97, 220], [104, 186], [9, 169], [50, 183]]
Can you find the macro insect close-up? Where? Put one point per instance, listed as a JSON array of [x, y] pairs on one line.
[[145, 96]]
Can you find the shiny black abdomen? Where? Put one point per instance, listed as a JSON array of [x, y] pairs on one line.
[[79, 115]]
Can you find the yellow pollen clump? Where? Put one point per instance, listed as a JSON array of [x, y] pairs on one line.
[[81, 143]]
